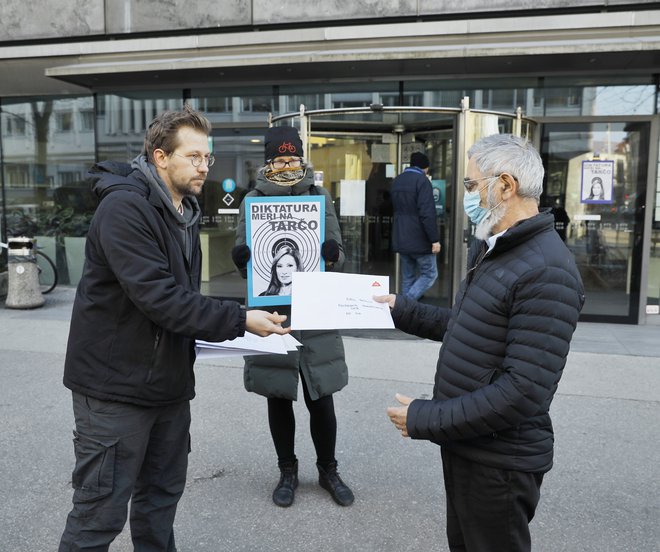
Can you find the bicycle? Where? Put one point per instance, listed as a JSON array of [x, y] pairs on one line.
[[48, 276]]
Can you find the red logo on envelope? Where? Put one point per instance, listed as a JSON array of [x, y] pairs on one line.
[[375, 284]]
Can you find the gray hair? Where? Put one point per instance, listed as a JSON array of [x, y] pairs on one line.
[[506, 153]]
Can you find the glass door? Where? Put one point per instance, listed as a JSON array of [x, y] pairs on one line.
[[356, 169], [356, 159], [596, 188]]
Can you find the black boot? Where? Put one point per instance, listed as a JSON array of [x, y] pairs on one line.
[[284, 492], [329, 479]]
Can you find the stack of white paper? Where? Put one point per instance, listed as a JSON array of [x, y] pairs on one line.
[[249, 344]]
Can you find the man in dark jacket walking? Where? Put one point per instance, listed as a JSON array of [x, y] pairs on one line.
[[415, 235], [131, 349], [505, 343]]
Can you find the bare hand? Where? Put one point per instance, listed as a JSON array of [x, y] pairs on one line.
[[264, 323], [389, 299], [435, 248], [399, 414]]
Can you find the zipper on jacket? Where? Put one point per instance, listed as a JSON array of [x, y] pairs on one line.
[[153, 356], [480, 259], [468, 280], [471, 272]]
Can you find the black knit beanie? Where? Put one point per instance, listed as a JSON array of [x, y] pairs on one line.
[[283, 141], [418, 159]]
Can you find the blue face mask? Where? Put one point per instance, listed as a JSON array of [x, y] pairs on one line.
[[473, 210]]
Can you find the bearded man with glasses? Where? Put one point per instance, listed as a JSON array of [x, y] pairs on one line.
[[504, 347], [136, 315]]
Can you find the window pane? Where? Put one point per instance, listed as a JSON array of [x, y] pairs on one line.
[[337, 95], [235, 105], [600, 231], [653, 287], [46, 157], [123, 120], [606, 98]]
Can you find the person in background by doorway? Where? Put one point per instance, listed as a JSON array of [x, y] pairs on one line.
[[415, 235], [561, 219]]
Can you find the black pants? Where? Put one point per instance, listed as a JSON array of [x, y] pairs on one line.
[[322, 425], [125, 451], [488, 509]]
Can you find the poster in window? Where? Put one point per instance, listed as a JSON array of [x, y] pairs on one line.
[[439, 193], [284, 235], [597, 182]]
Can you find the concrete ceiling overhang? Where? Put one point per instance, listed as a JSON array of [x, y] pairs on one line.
[[538, 65], [534, 46]]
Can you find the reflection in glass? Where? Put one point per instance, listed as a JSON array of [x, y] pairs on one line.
[[48, 146], [653, 284], [123, 120], [604, 235]]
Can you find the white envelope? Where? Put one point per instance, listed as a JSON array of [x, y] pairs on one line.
[[335, 300]]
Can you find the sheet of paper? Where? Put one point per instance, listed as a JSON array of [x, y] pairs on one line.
[[352, 197], [291, 342], [203, 353], [333, 300], [249, 344]]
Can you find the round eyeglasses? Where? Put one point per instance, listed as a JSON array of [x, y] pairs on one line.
[[197, 159]]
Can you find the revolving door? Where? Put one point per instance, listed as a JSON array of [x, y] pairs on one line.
[[357, 152]]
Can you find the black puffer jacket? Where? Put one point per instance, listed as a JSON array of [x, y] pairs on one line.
[[505, 344], [138, 308]]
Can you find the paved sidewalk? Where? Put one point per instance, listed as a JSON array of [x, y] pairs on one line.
[[602, 495]]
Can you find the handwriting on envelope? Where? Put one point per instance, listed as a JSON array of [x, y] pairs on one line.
[[333, 300]]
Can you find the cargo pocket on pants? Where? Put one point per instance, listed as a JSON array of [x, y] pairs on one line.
[[94, 474]]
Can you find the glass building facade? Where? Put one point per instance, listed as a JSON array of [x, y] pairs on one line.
[[49, 143]]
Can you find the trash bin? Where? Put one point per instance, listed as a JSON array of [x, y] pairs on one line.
[[23, 291]]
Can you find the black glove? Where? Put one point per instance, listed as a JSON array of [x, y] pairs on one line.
[[240, 254], [330, 251]]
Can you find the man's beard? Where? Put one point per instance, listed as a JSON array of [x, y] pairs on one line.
[[189, 188], [495, 214]]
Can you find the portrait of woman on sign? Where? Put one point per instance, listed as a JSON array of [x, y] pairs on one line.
[[285, 262], [597, 181]]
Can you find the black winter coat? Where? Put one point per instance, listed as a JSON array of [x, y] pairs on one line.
[[415, 226], [505, 344], [138, 308], [321, 358]]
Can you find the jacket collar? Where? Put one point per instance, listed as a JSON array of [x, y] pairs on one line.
[[524, 230]]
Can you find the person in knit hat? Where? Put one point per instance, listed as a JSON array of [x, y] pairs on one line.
[[284, 156], [320, 363]]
